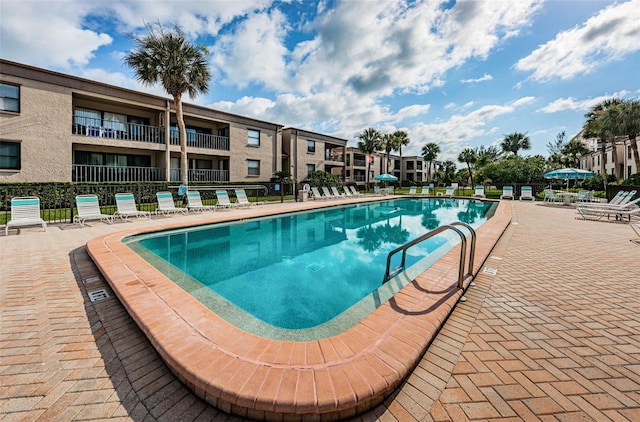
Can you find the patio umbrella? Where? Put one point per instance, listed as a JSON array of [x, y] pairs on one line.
[[385, 177], [568, 173]]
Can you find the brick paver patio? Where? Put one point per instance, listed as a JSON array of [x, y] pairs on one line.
[[550, 331]]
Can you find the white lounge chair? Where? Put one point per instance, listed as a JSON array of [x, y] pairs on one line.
[[89, 209], [425, 190], [621, 198], [449, 191], [526, 193], [316, 193], [166, 204], [507, 192], [413, 190], [336, 193], [326, 193], [194, 202], [243, 201], [223, 200], [620, 211], [354, 191], [479, 192], [25, 211], [126, 204], [347, 191]]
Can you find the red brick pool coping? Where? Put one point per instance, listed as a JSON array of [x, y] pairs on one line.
[[255, 377]]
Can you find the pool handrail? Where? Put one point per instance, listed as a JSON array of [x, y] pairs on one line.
[[463, 251]]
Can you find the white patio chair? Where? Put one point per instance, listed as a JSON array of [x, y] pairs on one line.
[[413, 190], [25, 211], [479, 192], [166, 204], [224, 201], [88, 208], [243, 201], [526, 193], [507, 192], [126, 204], [354, 191], [194, 202]]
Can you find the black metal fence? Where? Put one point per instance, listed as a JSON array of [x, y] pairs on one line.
[[57, 200]]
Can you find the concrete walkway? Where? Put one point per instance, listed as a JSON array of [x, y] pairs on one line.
[[551, 331]]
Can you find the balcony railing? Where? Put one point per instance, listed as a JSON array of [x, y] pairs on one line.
[[201, 175], [360, 163], [201, 140], [97, 128], [90, 173], [100, 128]]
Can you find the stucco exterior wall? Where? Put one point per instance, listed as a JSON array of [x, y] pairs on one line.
[[43, 128]]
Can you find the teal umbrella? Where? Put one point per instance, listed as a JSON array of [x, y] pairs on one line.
[[568, 173], [386, 178]]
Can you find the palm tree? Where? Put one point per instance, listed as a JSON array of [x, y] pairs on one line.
[[572, 152], [388, 143], [468, 155], [486, 155], [165, 56], [369, 143], [402, 139], [514, 142], [596, 127], [448, 170], [429, 153]]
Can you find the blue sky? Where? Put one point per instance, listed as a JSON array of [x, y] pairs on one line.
[[457, 73]]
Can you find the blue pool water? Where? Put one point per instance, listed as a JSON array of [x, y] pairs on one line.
[[301, 270]]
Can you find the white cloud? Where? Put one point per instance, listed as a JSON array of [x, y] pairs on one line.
[[570, 103], [485, 77], [48, 34], [611, 34]]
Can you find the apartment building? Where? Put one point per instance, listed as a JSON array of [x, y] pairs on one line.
[[56, 127], [304, 152], [623, 151], [411, 169]]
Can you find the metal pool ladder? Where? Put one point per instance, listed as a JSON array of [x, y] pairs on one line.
[[390, 273]]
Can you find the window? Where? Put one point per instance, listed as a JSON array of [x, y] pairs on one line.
[[311, 168], [9, 155], [311, 147], [253, 138], [9, 98], [409, 165], [87, 117], [253, 167]]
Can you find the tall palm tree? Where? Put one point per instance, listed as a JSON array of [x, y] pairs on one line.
[[468, 156], [165, 56], [430, 152], [402, 140], [514, 142], [369, 143], [388, 143], [448, 170], [596, 127]]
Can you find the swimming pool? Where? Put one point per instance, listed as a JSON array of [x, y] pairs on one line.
[[305, 275], [244, 374]]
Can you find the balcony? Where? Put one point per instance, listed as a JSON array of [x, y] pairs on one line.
[[359, 163], [201, 140], [91, 173], [109, 129], [98, 128]]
